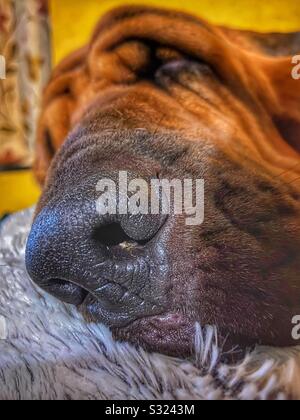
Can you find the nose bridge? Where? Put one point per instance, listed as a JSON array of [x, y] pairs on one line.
[[110, 263]]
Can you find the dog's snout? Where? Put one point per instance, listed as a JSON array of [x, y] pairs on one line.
[[111, 264]]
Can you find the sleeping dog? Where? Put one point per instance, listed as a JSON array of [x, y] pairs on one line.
[[163, 95]]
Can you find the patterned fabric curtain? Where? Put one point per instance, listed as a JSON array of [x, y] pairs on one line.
[[25, 46]]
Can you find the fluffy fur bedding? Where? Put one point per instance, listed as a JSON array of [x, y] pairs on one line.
[[47, 351]]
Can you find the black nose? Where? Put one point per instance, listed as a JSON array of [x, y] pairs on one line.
[[115, 267]]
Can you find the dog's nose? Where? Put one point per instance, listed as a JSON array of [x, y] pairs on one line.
[[114, 266]]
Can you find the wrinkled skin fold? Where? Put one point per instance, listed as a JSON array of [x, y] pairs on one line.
[[164, 95]]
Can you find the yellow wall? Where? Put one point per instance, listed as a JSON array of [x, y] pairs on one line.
[[18, 190], [73, 20]]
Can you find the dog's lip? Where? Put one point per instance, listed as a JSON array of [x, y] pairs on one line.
[[169, 321], [117, 314]]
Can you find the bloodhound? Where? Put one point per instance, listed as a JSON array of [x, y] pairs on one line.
[[164, 95]]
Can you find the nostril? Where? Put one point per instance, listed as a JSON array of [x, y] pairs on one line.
[[110, 235], [66, 291], [113, 235]]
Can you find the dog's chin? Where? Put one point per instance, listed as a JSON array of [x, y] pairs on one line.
[[172, 334], [176, 335]]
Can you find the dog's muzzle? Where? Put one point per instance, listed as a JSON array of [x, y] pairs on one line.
[[114, 266]]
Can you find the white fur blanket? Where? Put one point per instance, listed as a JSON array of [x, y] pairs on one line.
[[47, 351]]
